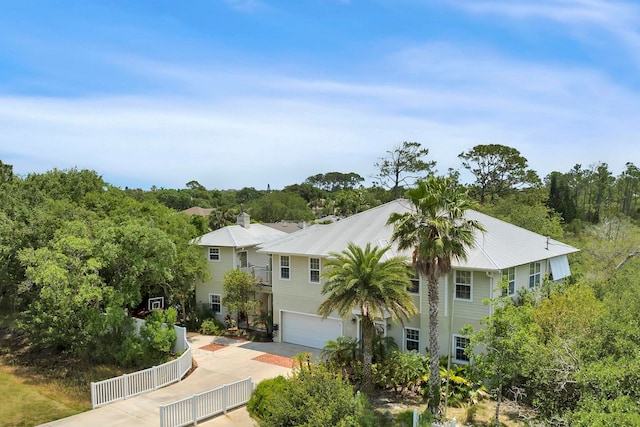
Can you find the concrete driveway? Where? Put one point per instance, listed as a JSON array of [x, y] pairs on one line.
[[221, 361]]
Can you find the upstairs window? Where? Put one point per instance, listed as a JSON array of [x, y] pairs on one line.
[[214, 254], [414, 287], [511, 281], [314, 270], [285, 267], [534, 274], [463, 285]]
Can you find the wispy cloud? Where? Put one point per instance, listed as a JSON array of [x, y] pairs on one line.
[[620, 19], [235, 127]]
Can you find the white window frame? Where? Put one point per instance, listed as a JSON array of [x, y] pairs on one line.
[[407, 340], [284, 267], [315, 269], [414, 277], [511, 281], [214, 254], [455, 348], [535, 274], [218, 302], [456, 284]]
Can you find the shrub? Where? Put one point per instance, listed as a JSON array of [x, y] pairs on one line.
[[212, 327], [158, 334], [313, 396]]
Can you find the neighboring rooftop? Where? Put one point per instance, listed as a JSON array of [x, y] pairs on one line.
[[196, 210], [243, 234]]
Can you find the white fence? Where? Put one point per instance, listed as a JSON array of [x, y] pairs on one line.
[[204, 405], [416, 421], [129, 385]]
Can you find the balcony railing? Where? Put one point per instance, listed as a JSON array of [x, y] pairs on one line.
[[262, 273]]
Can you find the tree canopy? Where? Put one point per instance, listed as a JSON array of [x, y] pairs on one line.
[[498, 169], [360, 279], [402, 166]]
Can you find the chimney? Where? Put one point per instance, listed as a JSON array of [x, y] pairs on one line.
[[244, 220]]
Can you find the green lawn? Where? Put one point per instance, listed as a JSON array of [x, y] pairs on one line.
[[26, 403]]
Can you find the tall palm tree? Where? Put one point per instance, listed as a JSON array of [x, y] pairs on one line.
[[438, 233], [360, 279]]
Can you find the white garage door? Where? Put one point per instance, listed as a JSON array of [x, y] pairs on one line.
[[309, 330]]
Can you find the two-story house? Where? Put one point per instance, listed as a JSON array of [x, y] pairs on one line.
[[296, 260], [235, 247]]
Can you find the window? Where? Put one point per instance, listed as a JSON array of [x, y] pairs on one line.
[[314, 270], [214, 254], [511, 281], [285, 267], [242, 259], [412, 339], [460, 344], [215, 303], [463, 285], [414, 287], [534, 274]]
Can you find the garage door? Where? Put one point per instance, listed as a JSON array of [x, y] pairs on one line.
[[309, 330]]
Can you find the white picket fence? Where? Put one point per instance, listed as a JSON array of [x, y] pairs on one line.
[[416, 421], [129, 385], [204, 405]]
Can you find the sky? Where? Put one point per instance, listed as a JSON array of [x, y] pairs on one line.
[[257, 93]]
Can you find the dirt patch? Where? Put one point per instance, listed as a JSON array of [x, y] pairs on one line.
[[213, 347], [274, 359]]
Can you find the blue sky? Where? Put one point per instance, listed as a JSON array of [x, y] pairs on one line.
[[236, 93]]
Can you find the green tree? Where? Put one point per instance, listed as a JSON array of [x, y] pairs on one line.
[[506, 340], [403, 166], [437, 232], [279, 206], [360, 279], [335, 181], [561, 197], [240, 290], [498, 169]]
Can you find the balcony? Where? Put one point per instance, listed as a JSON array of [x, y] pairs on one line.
[[261, 273]]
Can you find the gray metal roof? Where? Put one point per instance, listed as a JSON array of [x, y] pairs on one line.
[[236, 236], [502, 245]]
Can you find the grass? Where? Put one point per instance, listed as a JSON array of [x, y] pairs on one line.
[[40, 387], [28, 402]]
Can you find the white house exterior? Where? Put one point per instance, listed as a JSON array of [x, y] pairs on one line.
[[298, 259]]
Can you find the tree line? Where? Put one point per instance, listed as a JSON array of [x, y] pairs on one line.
[[79, 256]]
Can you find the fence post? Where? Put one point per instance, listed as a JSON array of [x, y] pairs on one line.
[[162, 422], [225, 398], [194, 409], [415, 417], [93, 395], [155, 377], [125, 385]]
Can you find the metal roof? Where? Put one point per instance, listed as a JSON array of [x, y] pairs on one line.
[[502, 245], [236, 236]]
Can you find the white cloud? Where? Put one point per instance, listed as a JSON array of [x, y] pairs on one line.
[[236, 127]]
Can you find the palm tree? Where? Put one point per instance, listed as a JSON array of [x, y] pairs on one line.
[[438, 233], [359, 279]]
